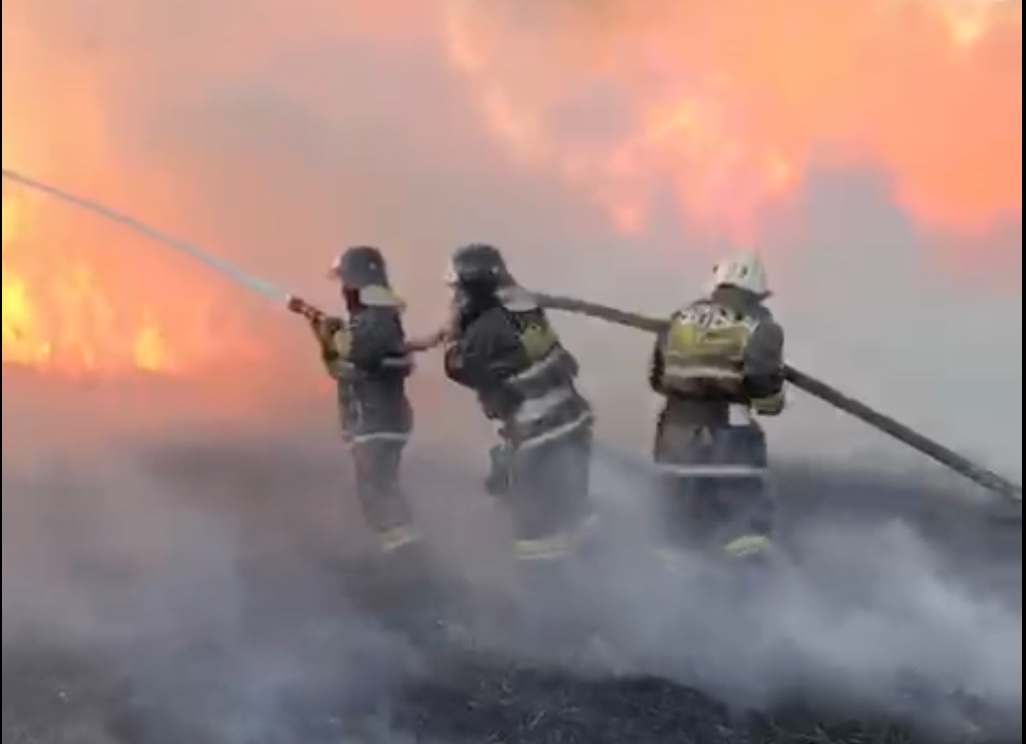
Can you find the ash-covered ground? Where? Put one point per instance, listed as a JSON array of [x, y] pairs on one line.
[[214, 594]]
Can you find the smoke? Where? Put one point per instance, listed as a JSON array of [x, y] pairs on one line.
[[280, 133], [201, 586], [874, 610], [160, 592]]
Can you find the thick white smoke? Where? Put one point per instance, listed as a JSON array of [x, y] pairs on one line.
[[283, 133]]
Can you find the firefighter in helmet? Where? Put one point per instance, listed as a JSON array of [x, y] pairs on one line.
[[367, 356], [719, 365], [501, 345]]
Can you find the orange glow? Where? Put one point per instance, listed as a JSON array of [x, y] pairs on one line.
[[62, 320], [716, 111], [728, 105], [77, 305], [81, 297], [21, 340], [90, 301]]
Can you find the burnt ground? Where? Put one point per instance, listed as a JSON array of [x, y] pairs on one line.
[[49, 697], [314, 652]]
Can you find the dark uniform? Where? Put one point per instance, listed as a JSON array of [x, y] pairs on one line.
[[719, 361], [504, 349], [367, 356]]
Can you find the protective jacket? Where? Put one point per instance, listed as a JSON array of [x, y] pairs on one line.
[[720, 360], [367, 358], [509, 354]]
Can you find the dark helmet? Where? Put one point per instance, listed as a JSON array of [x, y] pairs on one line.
[[363, 270], [361, 267], [479, 264]]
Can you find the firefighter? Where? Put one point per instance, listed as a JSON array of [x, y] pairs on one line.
[[368, 357], [501, 345], [718, 365]]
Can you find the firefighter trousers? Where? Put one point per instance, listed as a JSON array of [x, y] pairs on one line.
[[549, 495], [377, 464], [715, 490]]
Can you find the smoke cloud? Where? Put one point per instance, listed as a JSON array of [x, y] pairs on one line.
[[203, 586], [277, 134], [877, 611]]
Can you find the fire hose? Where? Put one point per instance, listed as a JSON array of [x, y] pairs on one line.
[[827, 393], [947, 457]]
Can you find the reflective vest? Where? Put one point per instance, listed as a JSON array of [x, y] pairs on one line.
[[549, 405], [349, 379], [704, 351]]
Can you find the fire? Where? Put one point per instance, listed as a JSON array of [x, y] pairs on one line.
[[20, 342], [56, 313], [83, 297], [729, 105], [716, 111]]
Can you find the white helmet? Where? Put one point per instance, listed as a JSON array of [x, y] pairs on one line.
[[744, 271]]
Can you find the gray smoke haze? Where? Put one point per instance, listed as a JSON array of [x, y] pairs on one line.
[[280, 133], [872, 603], [152, 593], [204, 575]]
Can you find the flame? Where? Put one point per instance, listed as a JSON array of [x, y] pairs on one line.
[[60, 315], [21, 342], [721, 109], [730, 105], [83, 297]]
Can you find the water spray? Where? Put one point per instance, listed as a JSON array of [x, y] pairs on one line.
[[211, 261]]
